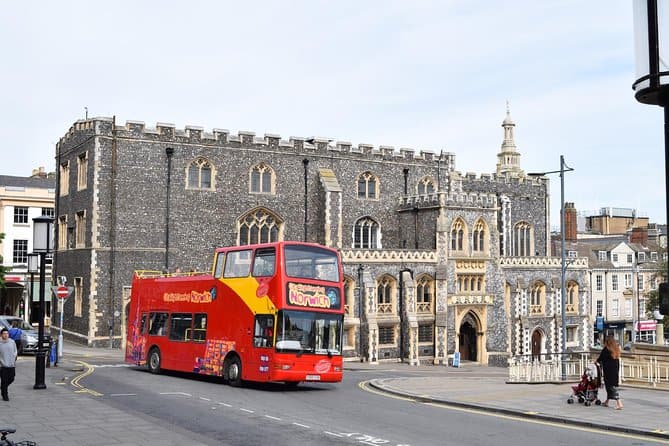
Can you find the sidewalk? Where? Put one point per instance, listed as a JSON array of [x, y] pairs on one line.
[[645, 411], [58, 415]]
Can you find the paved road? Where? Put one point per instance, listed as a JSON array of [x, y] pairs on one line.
[[119, 405]]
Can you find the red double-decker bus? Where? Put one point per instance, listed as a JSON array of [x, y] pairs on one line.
[[266, 312]]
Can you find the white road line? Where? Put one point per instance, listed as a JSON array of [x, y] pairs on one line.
[[302, 425], [272, 418], [225, 404], [205, 399], [122, 394], [246, 410], [334, 434], [175, 393]]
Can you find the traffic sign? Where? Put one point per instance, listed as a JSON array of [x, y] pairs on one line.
[[62, 292]]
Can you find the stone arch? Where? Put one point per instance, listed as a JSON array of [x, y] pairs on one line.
[[471, 337], [538, 344]]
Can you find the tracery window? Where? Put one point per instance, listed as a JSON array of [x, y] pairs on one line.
[[479, 237], [368, 186], [385, 294], [426, 186], [260, 226], [537, 298], [200, 175], [458, 235], [571, 304], [366, 234], [522, 239], [424, 294], [262, 179]]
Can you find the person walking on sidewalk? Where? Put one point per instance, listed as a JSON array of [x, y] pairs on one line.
[[609, 359], [8, 356]]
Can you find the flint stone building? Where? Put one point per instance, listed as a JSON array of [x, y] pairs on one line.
[[435, 261]]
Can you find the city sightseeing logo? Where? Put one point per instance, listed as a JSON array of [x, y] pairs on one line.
[[197, 297]]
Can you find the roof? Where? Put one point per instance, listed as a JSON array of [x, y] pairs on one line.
[[35, 182]]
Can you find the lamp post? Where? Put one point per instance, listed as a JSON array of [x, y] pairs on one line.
[[33, 268], [652, 84], [42, 245], [563, 264]]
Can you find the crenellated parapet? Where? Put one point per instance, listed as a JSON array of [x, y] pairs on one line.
[[543, 262], [168, 133], [387, 256]]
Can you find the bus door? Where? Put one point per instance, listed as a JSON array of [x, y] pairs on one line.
[[263, 346], [136, 345]]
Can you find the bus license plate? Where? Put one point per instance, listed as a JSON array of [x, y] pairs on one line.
[[313, 377]]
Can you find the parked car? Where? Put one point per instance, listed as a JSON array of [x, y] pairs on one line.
[[29, 334]]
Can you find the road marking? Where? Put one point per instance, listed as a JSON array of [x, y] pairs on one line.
[[102, 366], [205, 399], [225, 404], [364, 385], [272, 418], [246, 410], [334, 434], [176, 393], [302, 425], [122, 394], [75, 381]]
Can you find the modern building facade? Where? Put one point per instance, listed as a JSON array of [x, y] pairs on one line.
[[436, 261], [21, 200]]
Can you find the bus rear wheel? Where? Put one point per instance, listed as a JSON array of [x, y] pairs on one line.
[[234, 372], [154, 360]]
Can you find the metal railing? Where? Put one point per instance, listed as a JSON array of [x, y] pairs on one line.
[[648, 370]]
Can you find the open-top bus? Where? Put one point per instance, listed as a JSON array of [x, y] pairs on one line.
[[266, 312]]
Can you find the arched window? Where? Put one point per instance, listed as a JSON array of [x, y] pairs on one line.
[[385, 295], [537, 298], [200, 174], [522, 239], [261, 179], [260, 226], [480, 236], [458, 232], [426, 186], [424, 294], [349, 293], [571, 304], [366, 234], [368, 186]]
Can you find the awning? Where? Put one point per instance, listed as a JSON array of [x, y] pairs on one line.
[[646, 326]]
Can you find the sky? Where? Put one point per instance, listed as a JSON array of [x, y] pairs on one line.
[[427, 75]]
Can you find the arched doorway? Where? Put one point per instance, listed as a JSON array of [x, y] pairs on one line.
[[536, 345], [468, 340]]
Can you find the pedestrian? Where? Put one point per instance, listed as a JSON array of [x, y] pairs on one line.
[[8, 355], [609, 359]]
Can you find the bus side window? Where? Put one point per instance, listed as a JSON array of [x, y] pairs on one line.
[[143, 325], [237, 263], [200, 327], [220, 261], [264, 331], [181, 326], [157, 324], [264, 263]]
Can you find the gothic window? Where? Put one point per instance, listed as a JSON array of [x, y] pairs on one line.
[[368, 186], [385, 295], [424, 294], [366, 234], [200, 175], [82, 171], [479, 239], [458, 232], [262, 179], [426, 186], [537, 298], [260, 226], [522, 239], [64, 180], [571, 304]]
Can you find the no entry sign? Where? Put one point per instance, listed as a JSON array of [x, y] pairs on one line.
[[62, 292]]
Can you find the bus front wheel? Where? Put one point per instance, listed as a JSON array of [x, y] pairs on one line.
[[234, 372], [154, 360]]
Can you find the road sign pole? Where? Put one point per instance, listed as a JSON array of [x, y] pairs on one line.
[[60, 332]]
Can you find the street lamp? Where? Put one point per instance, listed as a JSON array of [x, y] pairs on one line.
[[651, 22], [563, 264], [33, 268], [42, 245]]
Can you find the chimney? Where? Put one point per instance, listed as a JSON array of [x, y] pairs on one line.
[[569, 222], [38, 173], [640, 236]]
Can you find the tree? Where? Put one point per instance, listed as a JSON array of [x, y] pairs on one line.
[[653, 296]]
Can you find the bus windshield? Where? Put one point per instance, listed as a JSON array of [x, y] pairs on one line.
[[303, 332], [311, 262]]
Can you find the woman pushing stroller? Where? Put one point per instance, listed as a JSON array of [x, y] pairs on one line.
[[609, 359]]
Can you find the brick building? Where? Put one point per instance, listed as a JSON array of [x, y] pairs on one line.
[[436, 261]]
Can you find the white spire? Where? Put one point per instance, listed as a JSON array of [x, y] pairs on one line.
[[508, 159]]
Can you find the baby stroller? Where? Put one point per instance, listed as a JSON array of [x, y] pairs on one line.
[[586, 390]]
